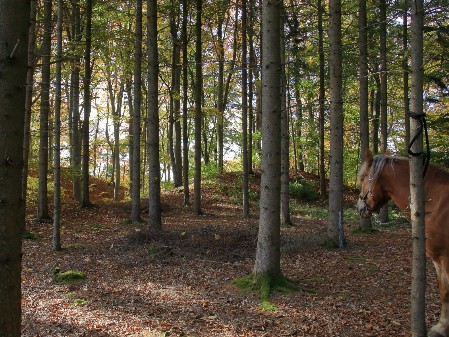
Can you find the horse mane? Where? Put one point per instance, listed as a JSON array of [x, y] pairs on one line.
[[377, 166]]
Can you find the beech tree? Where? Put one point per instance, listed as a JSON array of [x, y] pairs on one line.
[[14, 20]]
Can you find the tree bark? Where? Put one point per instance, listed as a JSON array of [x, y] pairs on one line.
[[14, 20], [28, 100], [154, 172], [42, 208], [245, 184], [322, 98], [417, 197], [185, 140], [198, 105], [137, 99], [56, 236], [383, 214], [335, 230], [268, 243], [87, 106], [364, 223], [285, 132]]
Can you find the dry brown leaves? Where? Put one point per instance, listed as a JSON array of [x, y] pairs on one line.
[[178, 282]]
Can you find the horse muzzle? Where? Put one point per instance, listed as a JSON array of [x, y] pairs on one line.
[[363, 209]]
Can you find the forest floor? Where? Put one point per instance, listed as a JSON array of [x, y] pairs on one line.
[[178, 282]]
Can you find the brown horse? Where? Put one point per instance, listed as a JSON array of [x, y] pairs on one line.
[[384, 178]]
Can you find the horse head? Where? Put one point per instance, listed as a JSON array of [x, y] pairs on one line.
[[371, 197]]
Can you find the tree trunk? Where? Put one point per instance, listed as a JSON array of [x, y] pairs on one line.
[[285, 139], [29, 100], [185, 140], [75, 135], [198, 117], [87, 106], [268, 243], [383, 214], [56, 237], [364, 223], [42, 208], [117, 120], [14, 20], [335, 231], [154, 172], [137, 97], [175, 102], [322, 98], [405, 68], [251, 86], [245, 186], [417, 197]]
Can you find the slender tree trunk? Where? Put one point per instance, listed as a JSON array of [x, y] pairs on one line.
[[322, 98], [185, 140], [268, 243], [335, 230], [87, 106], [405, 68], [75, 105], [365, 223], [198, 104], [220, 91], [135, 187], [285, 135], [14, 20], [417, 197], [42, 210], [251, 86], [383, 214], [117, 120], [56, 237], [29, 100], [245, 113], [154, 172]]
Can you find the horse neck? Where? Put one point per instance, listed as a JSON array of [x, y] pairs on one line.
[[396, 182]]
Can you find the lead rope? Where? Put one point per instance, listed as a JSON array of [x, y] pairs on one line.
[[421, 118]]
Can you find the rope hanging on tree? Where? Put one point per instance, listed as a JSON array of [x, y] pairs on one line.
[[421, 118]]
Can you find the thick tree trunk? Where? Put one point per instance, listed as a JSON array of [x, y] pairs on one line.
[[335, 230], [14, 20], [268, 243], [154, 172], [417, 197]]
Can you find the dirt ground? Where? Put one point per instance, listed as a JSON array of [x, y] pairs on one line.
[[178, 282]]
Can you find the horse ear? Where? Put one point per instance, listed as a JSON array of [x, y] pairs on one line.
[[387, 153], [368, 158]]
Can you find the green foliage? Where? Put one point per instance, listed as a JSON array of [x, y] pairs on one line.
[[68, 277], [304, 190], [264, 285], [27, 235]]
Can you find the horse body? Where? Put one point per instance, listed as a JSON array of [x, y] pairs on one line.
[[384, 178]]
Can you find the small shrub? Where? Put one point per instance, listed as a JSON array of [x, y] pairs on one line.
[[68, 277], [27, 235], [303, 190]]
